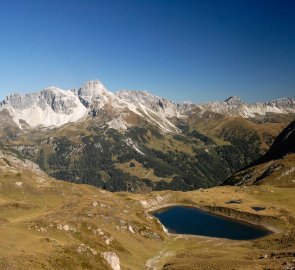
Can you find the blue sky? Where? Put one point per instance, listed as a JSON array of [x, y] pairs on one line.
[[182, 50]]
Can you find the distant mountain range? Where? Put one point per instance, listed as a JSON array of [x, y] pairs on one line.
[[53, 107]]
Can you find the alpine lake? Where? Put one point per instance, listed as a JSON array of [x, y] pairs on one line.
[[193, 221]]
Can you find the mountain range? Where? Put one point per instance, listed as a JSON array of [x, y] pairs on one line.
[[53, 107], [135, 141]]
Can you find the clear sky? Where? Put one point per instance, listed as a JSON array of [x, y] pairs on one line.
[[182, 50]]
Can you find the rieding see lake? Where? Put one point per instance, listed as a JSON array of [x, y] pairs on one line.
[[188, 220]]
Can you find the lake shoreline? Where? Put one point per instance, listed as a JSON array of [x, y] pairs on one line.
[[267, 227]]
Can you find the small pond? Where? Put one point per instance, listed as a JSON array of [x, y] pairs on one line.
[[258, 208], [193, 221], [234, 202]]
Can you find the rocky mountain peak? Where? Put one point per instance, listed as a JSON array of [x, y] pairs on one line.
[[95, 86], [92, 90], [233, 100], [282, 103]]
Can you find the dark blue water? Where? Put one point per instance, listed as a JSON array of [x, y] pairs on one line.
[[258, 208], [186, 220]]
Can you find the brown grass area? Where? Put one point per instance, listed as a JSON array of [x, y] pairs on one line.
[[43, 222]]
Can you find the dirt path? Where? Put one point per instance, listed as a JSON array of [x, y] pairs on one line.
[[153, 263]]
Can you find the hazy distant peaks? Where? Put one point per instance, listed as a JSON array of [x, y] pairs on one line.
[[283, 102], [233, 100]]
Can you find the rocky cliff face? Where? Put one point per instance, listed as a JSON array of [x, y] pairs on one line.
[[156, 104], [51, 107]]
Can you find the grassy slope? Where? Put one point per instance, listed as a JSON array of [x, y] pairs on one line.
[[217, 125], [276, 167], [44, 221], [33, 212], [278, 172]]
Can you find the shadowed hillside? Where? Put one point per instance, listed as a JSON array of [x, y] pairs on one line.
[[275, 167]]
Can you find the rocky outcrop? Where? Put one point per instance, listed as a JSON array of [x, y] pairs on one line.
[[112, 259], [155, 201], [12, 164]]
